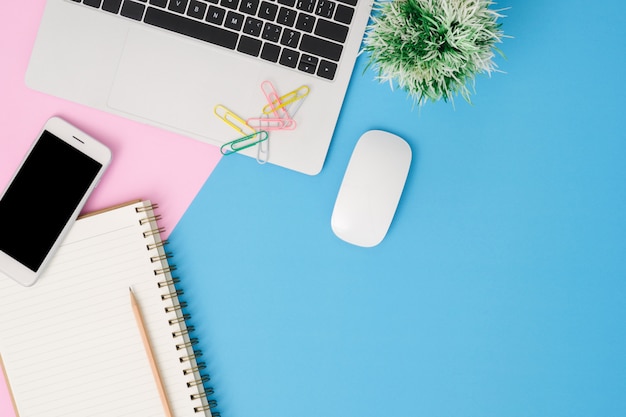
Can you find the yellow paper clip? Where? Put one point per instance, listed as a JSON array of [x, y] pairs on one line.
[[286, 100], [244, 142], [232, 120]]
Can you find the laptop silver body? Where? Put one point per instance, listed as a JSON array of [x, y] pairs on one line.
[[162, 78]]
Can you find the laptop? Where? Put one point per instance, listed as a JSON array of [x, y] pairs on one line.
[[170, 63]]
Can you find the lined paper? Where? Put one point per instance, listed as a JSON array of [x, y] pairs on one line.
[[70, 344]]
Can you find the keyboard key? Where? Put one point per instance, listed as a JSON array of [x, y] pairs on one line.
[[321, 47], [196, 9], [305, 22], [331, 30], [253, 26], [286, 16], [93, 3], [249, 46], [289, 3], [178, 6], [327, 69], [305, 5], [132, 10], [215, 15], [249, 6], [267, 11], [233, 21], [289, 58], [159, 3], [290, 38], [112, 6], [231, 4], [350, 2], [188, 27], [308, 64], [270, 52], [325, 8], [344, 14], [271, 32]]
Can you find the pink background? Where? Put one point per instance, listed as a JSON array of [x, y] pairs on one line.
[[148, 163]]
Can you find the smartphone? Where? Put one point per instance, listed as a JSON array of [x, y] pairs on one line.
[[45, 196]]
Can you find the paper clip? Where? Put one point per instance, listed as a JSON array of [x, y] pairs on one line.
[[271, 123], [286, 100], [263, 152], [273, 101], [232, 120], [244, 142], [282, 120]]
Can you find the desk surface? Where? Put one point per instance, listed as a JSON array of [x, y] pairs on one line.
[[499, 289]]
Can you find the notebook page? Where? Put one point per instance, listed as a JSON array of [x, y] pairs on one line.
[[70, 343]]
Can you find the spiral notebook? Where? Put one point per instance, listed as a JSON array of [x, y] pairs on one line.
[[70, 344]]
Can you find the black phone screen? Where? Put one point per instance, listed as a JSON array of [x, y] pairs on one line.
[[42, 198]]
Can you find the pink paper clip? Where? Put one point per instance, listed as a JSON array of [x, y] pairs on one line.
[[273, 99], [277, 109]]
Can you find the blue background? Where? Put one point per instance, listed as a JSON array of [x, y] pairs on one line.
[[500, 289]]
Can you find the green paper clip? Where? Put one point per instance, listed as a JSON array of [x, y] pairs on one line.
[[244, 142]]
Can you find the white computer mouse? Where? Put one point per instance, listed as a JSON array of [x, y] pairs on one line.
[[371, 188]]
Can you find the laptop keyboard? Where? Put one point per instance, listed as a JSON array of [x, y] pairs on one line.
[[306, 35]]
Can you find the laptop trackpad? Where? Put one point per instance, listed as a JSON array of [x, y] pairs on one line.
[[175, 82]]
